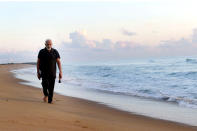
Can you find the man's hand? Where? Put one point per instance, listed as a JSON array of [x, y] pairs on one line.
[[60, 75], [60, 68], [38, 75]]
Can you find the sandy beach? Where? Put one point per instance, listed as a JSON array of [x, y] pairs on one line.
[[22, 109]]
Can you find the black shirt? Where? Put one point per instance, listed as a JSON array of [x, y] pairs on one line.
[[48, 62]]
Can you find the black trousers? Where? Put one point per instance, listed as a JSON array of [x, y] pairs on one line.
[[48, 87]]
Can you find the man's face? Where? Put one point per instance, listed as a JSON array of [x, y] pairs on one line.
[[48, 44]]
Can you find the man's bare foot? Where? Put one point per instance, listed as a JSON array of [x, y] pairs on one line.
[[45, 99], [50, 102]]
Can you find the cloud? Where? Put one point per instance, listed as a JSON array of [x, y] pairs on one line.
[[128, 33], [194, 36], [80, 40], [82, 49], [182, 46]]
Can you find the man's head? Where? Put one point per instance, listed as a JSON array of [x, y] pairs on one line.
[[48, 44]]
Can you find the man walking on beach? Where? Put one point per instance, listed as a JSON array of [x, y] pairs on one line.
[[46, 69]]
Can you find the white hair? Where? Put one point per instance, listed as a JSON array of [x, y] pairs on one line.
[[47, 40]]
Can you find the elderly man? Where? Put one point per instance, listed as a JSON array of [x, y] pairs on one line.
[[46, 69]]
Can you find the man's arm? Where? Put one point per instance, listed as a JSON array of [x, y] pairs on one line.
[[38, 67], [60, 68]]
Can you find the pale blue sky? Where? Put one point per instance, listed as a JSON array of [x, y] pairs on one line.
[[25, 25]]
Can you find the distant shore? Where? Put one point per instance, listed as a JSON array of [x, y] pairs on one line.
[[11, 63], [22, 108]]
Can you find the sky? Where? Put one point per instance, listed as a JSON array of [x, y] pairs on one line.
[[89, 31]]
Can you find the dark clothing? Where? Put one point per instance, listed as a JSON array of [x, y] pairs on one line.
[[48, 62], [48, 70], [48, 87]]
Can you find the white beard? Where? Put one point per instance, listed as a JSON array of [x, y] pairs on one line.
[[48, 49]]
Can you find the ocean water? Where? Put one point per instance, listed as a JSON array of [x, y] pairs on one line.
[[163, 79], [135, 86]]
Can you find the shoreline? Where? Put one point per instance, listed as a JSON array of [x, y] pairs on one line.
[[158, 109], [71, 113]]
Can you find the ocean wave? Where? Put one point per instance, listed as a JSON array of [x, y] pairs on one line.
[[193, 61], [158, 96], [106, 75], [185, 102], [190, 74], [180, 100]]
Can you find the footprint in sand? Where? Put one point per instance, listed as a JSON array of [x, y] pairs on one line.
[[77, 121], [57, 99], [84, 127]]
